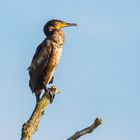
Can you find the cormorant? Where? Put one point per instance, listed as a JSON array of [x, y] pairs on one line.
[[47, 57]]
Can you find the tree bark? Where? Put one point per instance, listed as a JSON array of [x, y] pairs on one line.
[[31, 126]]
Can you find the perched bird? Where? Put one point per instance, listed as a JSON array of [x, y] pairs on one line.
[[47, 57]]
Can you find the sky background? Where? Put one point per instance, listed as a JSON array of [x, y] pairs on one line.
[[99, 73]]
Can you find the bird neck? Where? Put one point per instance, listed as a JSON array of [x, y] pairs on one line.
[[58, 36]]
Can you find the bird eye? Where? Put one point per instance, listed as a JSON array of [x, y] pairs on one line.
[[51, 28]]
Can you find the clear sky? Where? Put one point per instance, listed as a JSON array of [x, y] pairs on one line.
[[99, 73]]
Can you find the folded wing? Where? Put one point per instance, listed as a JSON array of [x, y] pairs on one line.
[[39, 62]]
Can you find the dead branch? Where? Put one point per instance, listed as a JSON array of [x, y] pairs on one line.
[[87, 130], [31, 126]]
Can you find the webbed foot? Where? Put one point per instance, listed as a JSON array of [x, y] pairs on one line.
[[50, 93]]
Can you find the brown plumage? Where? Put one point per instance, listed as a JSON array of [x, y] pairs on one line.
[[47, 56]]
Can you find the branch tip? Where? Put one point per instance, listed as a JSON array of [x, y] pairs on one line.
[[91, 128]]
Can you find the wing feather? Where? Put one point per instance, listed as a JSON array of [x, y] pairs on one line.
[[39, 62]]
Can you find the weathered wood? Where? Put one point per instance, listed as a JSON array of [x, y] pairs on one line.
[[87, 130], [31, 126]]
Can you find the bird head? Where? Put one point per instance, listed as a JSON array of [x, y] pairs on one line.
[[54, 25]]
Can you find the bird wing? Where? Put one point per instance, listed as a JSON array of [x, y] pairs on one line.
[[40, 60]]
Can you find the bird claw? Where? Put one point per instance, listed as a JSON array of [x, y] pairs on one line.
[[51, 95]]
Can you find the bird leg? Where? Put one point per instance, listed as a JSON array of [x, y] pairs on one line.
[[49, 92], [45, 87]]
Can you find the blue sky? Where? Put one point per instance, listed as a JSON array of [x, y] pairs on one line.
[[99, 73]]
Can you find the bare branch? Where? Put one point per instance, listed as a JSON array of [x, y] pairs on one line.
[[31, 126], [87, 130]]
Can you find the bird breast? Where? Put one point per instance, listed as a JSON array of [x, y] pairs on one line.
[[52, 64], [56, 42], [55, 57]]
